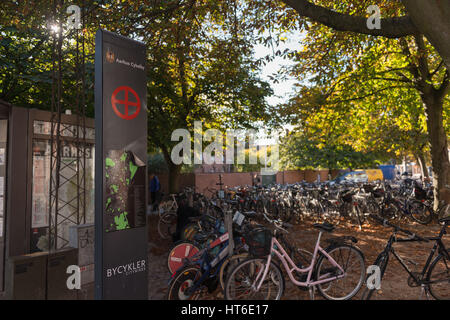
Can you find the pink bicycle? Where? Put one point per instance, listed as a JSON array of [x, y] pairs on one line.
[[338, 271]]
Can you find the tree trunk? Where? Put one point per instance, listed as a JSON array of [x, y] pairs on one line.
[[174, 172], [174, 181], [423, 165], [438, 141]]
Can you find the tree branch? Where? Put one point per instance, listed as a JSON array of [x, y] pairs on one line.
[[367, 95], [390, 27], [443, 89]]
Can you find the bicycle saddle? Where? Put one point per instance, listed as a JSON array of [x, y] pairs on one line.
[[327, 227]]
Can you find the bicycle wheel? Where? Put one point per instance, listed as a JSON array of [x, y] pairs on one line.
[[439, 278], [420, 212], [332, 214], [180, 251], [167, 225], [215, 212], [373, 207], [284, 213], [189, 231], [356, 217], [228, 264], [165, 207], [381, 261], [183, 281], [351, 260], [238, 285], [389, 211]]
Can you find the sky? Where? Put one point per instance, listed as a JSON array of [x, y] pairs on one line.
[[284, 89]]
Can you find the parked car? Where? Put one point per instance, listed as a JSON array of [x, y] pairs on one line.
[[353, 176], [357, 176]]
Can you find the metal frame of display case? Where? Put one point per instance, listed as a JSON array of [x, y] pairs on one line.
[[58, 169], [63, 173], [19, 180]]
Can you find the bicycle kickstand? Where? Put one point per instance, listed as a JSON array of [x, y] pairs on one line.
[[424, 292], [311, 292]]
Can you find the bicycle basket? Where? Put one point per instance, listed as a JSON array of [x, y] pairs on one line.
[[259, 241]]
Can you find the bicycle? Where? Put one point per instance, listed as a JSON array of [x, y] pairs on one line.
[[201, 271], [435, 275], [167, 224], [208, 229], [170, 205], [399, 204], [261, 278]]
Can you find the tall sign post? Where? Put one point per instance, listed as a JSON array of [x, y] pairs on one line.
[[121, 260]]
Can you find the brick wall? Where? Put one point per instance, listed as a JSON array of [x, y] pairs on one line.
[[202, 181]]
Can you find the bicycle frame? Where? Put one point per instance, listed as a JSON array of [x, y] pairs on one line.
[[206, 264], [290, 266], [173, 206], [438, 246]]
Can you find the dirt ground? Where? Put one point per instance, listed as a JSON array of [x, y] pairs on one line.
[[371, 240]]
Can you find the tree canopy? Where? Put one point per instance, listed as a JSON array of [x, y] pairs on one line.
[[363, 95]]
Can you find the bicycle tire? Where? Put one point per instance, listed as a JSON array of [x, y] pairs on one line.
[[423, 214], [356, 217], [325, 288], [183, 280], [189, 231], [260, 263], [443, 281], [167, 225], [223, 274]]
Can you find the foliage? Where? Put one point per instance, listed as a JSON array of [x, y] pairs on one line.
[[300, 151], [363, 91]]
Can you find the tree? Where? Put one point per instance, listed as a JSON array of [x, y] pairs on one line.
[[424, 17], [28, 51], [200, 64], [336, 54], [304, 150], [200, 68]]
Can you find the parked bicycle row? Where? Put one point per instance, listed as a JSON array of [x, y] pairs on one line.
[[322, 202], [204, 255], [243, 263]]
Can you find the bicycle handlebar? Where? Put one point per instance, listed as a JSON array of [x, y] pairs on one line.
[[386, 223], [278, 223]]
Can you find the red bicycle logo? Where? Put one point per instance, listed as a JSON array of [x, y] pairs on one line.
[[127, 103]]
